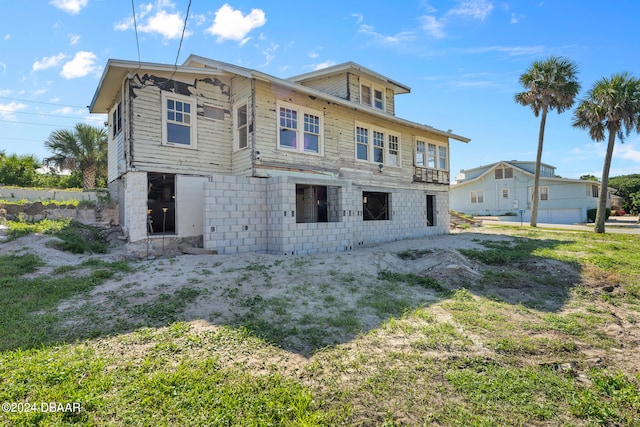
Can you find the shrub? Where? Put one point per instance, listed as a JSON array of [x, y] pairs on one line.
[[591, 214]]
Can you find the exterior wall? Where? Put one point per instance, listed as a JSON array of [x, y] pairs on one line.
[[336, 85], [213, 153], [244, 214]]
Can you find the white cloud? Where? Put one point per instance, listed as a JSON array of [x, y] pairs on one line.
[[313, 55], [325, 64], [74, 38], [82, 64], [515, 18], [626, 151], [70, 6], [510, 50], [231, 24], [476, 9], [169, 25], [269, 53], [400, 37], [359, 17], [432, 26], [7, 37], [3, 66], [7, 110], [158, 18], [48, 62]]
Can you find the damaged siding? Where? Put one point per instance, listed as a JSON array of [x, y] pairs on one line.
[[241, 158], [213, 152]]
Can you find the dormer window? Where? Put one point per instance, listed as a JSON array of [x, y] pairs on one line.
[[372, 96]]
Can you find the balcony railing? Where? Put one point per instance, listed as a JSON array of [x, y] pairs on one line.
[[432, 176]]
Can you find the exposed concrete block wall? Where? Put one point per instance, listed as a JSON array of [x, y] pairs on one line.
[[135, 195], [259, 215], [235, 214]]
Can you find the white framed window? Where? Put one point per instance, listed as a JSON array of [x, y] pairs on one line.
[[595, 191], [477, 196], [503, 173], [505, 193], [393, 159], [442, 158], [377, 145], [420, 151], [431, 155], [179, 120], [543, 193], [372, 96], [362, 143], [242, 127], [299, 129]]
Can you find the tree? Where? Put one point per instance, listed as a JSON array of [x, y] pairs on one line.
[[589, 177], [628, 187], [20, 170], [612, 107], [83, 148], [550, 85]]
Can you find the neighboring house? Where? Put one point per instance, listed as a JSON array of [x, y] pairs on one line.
[[506, 188], [251, 162]]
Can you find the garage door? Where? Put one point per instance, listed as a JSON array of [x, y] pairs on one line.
[[565, 216]]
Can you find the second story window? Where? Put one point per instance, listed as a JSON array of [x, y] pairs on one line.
[[242, 134], [420, 147], [179, 125], [300, 129], [377, 145], [372, 96]]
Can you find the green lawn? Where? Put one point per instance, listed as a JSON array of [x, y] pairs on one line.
[[517, 347]]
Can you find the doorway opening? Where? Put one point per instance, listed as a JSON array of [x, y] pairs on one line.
[[161, 203]]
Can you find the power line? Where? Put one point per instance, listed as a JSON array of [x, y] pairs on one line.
[[135, 27], [184, 27], [41, 102], [41, 114], [37, 124]]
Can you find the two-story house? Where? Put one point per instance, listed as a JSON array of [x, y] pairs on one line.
[[251, 162], [506, 188]]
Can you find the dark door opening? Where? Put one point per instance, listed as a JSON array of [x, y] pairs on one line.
[[161, 203], [431, 217]]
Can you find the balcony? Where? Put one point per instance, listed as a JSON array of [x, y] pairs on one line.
[[431, 176]]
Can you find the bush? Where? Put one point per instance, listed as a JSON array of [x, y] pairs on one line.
[[591, 214]]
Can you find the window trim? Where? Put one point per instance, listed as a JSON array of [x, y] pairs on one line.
[[547, 192], [300, 131], [478, 195], [193, 134], [505, 195], [427, 155], [372, 95], [236, 129], [371, 147]]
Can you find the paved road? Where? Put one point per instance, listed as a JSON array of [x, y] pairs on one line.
[[620, 225]]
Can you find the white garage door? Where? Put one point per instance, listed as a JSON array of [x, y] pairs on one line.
[[565, 216]]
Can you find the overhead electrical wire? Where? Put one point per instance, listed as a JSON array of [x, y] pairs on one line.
[[184, 28], [135, 27]]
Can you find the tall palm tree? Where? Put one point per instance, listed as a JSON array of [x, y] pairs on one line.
[[550, 85], [83, 148], [612, 106]]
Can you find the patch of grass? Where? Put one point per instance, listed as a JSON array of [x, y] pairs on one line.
[[166, 308], [28, 307], [75, 236], [413, 254], [413, 280], [503, 252]]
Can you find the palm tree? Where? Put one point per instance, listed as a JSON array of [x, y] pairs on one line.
[[83, 148], [612, 106], [550, 85]]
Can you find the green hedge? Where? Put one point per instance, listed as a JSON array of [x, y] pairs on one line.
[[591, 214]]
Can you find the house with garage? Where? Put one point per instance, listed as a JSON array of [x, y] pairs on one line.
[[506, 188], [242, 161]]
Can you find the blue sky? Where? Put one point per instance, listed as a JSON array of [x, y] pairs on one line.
[[461, 58]]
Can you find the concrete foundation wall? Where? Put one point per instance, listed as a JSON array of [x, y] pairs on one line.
[[243, 214]]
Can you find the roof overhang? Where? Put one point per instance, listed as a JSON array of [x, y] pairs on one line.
[[117, 70]]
